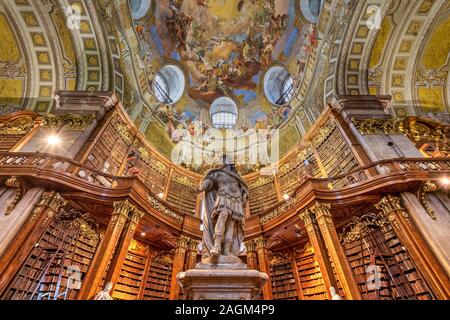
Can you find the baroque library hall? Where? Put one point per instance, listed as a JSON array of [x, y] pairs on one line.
[[224, 150]]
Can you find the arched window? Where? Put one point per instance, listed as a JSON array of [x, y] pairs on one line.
[[224, 113], [168, 84], [139, 8], [311, 9], [278, 86]]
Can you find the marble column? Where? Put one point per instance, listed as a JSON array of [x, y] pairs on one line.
[[105, 250], [178, 265], [263, 259], [414, 243], [337, 255]]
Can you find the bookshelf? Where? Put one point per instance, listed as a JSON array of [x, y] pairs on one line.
[[311, 281], [131, 276], [336, 155], [282, 277], [110, 150], [158, 278], [72, 250], [262, 190], [379, 250], [182, 194]]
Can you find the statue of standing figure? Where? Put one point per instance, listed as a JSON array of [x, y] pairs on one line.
[[226, 196]]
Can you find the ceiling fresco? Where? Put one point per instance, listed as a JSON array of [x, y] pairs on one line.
[[224, 47]]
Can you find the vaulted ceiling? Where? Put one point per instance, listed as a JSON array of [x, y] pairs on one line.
[[119, 45]]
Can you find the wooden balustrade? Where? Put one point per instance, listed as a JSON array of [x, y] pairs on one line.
[[420, 167]]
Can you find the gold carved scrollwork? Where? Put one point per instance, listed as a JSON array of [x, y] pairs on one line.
[[76, 122], [164, 257], [185, 181], [417, 129], [323, 134], [18, 184], [377, 126], [19, 126], [361, 226], [77, 220], [123, 131], [278, 259], [425, 188]]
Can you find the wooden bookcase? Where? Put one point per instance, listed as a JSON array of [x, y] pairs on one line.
[[158, 279], [399, 277], [131, 276], [311, 281], [77, 251], [110, 151], [336, 156], [283, 281], [262, 198], [150, 176], [183, 196]]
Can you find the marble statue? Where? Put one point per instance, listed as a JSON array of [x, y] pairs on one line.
[[105, 293], [225, 198], [334, 295]]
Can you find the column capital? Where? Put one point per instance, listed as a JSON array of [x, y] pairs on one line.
[[260, 242], [52, 200], [250, 245], [128, 210], [318, 210], [389, 204], [183, 242], [136, 215], [122, 208], [193, 245]]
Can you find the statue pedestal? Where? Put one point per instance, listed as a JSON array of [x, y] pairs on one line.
[[221, 281]]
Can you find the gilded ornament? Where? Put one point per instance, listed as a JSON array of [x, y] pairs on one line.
[[427, 187], [361, 226], [76, 122], [19, 126], [16, 183], [278, 259]]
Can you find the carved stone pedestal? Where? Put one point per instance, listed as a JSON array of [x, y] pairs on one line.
[[221, 281]]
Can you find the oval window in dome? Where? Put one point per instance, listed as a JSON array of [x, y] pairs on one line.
[[168, 84], [139, 8], [278, 86], [224, 113], [311, 9]]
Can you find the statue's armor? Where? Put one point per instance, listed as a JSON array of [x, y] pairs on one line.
[[229, 196]]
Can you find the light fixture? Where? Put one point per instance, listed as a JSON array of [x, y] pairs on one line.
[[445, 181], [161, 195], [286, 197], [143, 234], [53, 140]]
